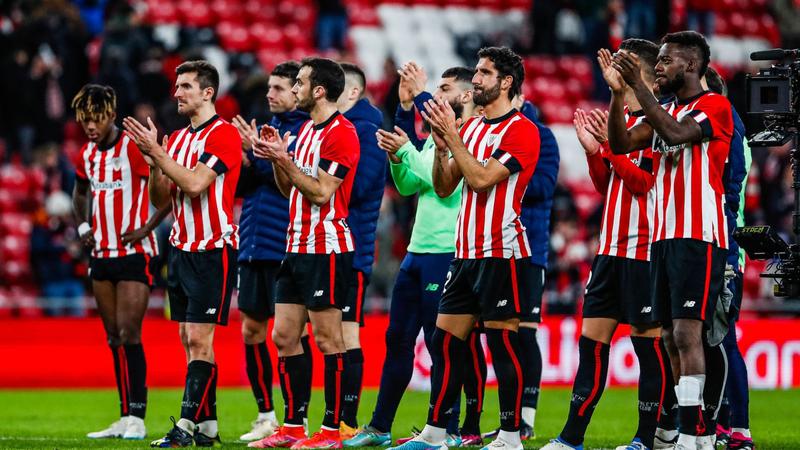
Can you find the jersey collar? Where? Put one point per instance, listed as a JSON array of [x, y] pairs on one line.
[[327, 121], [204, 124], [112, 144], [686, 101], [500, 119]]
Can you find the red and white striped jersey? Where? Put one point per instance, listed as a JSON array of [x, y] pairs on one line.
[[488, 223], [206, 222], [690, 196], [627, 182], [118, 177], [331, 146]]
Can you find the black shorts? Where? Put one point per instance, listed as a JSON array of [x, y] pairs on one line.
[[200, 285], [256, 286], [686, 277], [353, 310], [316, 281], [136, 267], [535, 292], [619, 288], [492, 288]]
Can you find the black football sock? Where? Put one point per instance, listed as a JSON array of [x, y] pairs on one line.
[[352, 386], [504, 345], [652, 385], [448, 355], [668, 418], [587, 388], [335, 368], [119, 374], [293, 372], [531, 367], [137, 379], [305, 397], [199, 379], [474, 384], [259, 373], [714, 389], [209, 408]]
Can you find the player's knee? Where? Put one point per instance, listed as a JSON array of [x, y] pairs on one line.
[[253, 332], [329, 343], [284, 340], [686, 340], [129, 334], [199, 347]]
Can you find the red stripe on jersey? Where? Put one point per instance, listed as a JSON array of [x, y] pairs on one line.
[[116, 176]]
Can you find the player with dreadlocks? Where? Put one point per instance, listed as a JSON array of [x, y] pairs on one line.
[[111, 203]]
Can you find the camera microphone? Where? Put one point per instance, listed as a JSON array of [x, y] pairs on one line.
[[775, 53]]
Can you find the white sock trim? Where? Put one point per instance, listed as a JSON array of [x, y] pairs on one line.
[[209, 427], [529, 415], [187, 425], [433, 435]]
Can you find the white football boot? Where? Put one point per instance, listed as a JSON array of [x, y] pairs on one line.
[[115, 430]]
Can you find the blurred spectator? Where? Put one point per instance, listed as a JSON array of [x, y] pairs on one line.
[[331, 24], [640, 19], [700, 16], [787, 13], [56, 257]]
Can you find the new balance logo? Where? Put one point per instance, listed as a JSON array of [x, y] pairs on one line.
[[211, 311], [536, 310], [502, 303], [646, 309], [346, 309], [318, 293], [432, 287], [689, 304]]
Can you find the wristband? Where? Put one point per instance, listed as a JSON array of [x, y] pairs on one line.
[[84, 228]]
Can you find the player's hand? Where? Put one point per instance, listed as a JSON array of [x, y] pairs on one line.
[[587, 140], [597, 125], [146, 138], [271, 146], [627, 64], [404, 92], [87, 239], [610, 74], [438, 140], [441, 117], [415, 76], [391, 142], [132, 237], [245, 130]]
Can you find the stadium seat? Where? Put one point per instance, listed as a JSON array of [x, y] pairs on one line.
[[234, 36]]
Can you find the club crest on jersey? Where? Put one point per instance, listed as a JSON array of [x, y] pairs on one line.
[[491, 140], [116, 163]]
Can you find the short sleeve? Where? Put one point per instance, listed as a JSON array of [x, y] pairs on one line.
[[713, 114], [223, 150], [138, 164], [80, 163], [519, 147], [340, 151]]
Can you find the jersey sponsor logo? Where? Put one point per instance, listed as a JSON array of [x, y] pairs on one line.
[[689, 304], [211, 311], [660, 146], [502, 303], [432, 287], [319, 293], [107, 185]]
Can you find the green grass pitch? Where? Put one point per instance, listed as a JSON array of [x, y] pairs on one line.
[[59, 419]]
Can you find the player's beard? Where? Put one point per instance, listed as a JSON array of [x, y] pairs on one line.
[[671, 87], [306, 105], [486, 96]]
